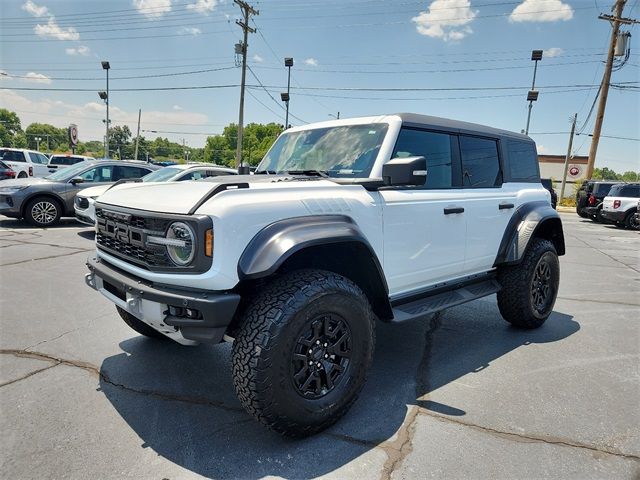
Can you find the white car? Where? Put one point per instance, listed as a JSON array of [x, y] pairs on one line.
[[59, 161], [621, 205], [26, 163], [84, 202], [345, 222]]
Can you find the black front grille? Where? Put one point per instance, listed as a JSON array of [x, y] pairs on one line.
[[125, 236], [82, 202]]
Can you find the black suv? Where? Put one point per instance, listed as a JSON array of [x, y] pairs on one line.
[[548, 184], [589, 198]]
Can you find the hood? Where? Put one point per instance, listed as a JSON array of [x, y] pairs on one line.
[[187, 197], [23, 182], [93, 191]]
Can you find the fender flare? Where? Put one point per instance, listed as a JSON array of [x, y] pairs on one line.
[[527, 221], [278, 241]]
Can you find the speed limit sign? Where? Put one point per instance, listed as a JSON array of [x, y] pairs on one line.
[[73, 135]]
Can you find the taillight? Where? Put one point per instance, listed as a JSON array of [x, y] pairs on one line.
[[592, 200], [31, 171], [11, 174], [616, 204]]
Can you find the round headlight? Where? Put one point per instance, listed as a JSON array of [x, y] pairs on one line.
[[181, 248]]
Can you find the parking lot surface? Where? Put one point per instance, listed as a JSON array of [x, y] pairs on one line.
[[463, 395]]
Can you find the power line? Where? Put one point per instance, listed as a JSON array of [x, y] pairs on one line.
[[174, 74], [271, 96]]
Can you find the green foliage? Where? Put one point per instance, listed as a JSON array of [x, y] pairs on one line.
[[52, 138], [9, 127], [257, 139], [608, 174]]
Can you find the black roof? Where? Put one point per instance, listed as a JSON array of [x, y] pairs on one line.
[[448, 124]]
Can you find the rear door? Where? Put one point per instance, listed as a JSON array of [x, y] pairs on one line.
[[425, 227], [489, 202]]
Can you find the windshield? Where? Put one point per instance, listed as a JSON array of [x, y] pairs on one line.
[[161, 175], [346, 151], [67, 173]]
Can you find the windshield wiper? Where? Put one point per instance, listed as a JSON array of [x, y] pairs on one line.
[[264, 172], [318, 173]]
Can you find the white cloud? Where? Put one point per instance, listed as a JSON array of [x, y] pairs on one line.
[[257, 58], [53, 30], [311, 61], [553, 52], [189, 31], [152, 9], [542, 150], [82, 50], [34, 9], [541, 11], [203, 6], [177, 107], [446, 19], [37, 78]]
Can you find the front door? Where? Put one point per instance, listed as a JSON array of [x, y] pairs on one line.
[[425, 227]]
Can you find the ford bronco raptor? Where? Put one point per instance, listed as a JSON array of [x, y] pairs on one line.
[[392, 217]]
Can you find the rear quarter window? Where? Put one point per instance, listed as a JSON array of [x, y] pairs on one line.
[[13, 156], [523, 161]]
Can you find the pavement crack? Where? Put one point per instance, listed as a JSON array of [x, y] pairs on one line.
[[402, 446], [105, 378], [30, 374], [52, 339], [529, 438], [29, 260]]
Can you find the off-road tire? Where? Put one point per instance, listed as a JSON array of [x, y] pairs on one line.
[[630, 222], [515, 299], [265, 347], [43, 212], [139, 326], [22, 175], [582, 213]]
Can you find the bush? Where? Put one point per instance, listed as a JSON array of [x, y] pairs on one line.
[[567, 202]]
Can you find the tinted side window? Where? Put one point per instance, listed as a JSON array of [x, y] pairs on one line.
[[121, 172], [480, 163], [630, 191], [193, 175], [523, 162], [98, 174], [435, 147], [39, 158], [13, 156]]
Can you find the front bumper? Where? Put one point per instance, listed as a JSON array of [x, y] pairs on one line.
[[10, 205], [85, 215], [613, 216], [161, 307]]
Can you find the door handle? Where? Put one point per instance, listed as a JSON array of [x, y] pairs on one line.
[[505, 206], [450, 210]]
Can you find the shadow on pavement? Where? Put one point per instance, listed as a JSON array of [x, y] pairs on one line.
[[88, 234], [20, 224], [180, 401]]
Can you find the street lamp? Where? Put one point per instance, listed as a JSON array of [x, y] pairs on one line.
[[106, 66], [288, 62], [532, 95]]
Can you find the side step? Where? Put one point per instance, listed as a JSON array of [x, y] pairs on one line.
[[441, 300]]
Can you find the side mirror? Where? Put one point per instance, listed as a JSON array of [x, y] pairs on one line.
[[76, 180], [405, 171]]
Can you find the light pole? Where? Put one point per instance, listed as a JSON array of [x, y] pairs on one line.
[[106, 66], [337, 117], [532, 96], [288, 62], [37, 139]]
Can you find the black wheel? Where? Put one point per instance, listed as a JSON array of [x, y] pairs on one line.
[[139, 326], [582, 213], [598, 216], [631, 221], [303, 351], [43, 212], [22, 175], [529, 289]]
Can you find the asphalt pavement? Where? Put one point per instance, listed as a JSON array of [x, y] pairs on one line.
[[463, 395]]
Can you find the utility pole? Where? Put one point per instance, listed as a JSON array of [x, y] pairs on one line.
[[247, 10], [532, 95], [616, 20], [137, 135], [566, 159]]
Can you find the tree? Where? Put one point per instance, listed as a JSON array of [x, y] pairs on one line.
[[120, 141], [53, 138], [630, 176], [9, 127]]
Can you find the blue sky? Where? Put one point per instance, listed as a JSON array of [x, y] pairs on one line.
[[470, 58]]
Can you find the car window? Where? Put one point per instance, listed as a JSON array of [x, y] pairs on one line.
[[193, 175], [123, 171], [630, 191], [435, 147], [13, 156], [102, 173], [39, 158], [523, 162], [480, 163]]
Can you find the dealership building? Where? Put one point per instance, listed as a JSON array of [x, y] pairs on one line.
[[552, 166]]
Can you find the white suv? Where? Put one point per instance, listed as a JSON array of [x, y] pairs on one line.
[[621, 205], [392, 217], [26, 163]]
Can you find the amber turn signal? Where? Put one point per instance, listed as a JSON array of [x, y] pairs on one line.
[[208, 243]]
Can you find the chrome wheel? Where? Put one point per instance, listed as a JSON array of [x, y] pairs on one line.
[[44, 212]]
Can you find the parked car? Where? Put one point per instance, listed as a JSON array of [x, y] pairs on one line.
[[42, 201], [344, 222], [26, 163], [621, 205], [58, 161], [6, 171], [590, 195], [85, 199], [548, 184]]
